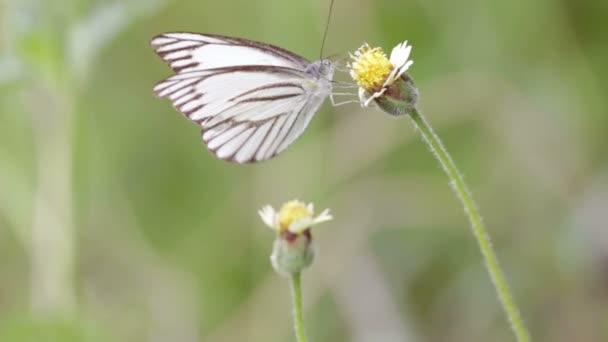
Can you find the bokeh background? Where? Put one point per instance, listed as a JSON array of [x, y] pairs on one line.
[[116, 224]]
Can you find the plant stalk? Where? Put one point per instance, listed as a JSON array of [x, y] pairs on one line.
[[479, 231], [296, 295]]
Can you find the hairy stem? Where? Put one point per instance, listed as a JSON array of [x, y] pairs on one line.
[[296, 295], [479, 231]]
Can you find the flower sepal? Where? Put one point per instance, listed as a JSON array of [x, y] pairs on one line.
[[292, 253], [398, 99]]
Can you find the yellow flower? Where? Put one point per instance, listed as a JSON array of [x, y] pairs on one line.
[[293, 249], [374, 73], [370, 67], [294, 216]]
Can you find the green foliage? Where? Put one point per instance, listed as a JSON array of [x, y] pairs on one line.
[[167, 242], [28, 329]]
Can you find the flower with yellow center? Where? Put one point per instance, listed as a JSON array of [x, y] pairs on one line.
[[370, 67], [375, 73], [294, 217]]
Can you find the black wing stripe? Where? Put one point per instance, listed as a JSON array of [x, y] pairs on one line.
[[183, 98], [270, 98], [168, 43], [298, 117], [192, 101], [176, 55], [246, 140], [247, 152], [266, 48], [180, 94], [190, 104], [287, 125], [226, 120], [268, 86], [276, 130], [272, 69], [174, 89], [175, 45], [163, 88], [259, 152], [231, 147], [220, 118], [218, 139], [230, 130], [189, 112], [179, 67], [166, 88], [207, 73]]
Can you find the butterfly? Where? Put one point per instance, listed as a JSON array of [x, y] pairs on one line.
[[251, 99]]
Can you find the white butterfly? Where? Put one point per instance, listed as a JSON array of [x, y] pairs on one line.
[[252, 99]]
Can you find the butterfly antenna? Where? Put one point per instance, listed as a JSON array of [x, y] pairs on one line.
[[331, 6]]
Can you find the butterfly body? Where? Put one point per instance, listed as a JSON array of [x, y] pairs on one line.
[[251, 99]]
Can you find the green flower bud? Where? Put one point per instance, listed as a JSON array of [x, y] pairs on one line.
[[292, 253], [399, 98], [293, 250]]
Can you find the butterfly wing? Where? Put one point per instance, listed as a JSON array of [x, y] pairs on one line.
[[186, 51], [248, 112]]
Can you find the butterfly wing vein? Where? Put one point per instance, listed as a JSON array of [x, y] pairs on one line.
[[251, 99]]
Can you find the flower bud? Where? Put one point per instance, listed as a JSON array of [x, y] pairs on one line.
[[399, 98], [293, 250], [292, 253], [384, 81]]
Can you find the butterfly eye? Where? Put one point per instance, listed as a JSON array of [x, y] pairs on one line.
[[324, 67]]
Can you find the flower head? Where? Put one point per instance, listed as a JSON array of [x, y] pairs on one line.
[[294, 216], [293, 250], [384, 80], [370, 67]]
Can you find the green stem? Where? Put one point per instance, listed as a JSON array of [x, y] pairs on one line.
[[296, 294], [479, 231]]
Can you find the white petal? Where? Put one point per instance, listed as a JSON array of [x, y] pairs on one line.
[[391, 78], [268, 216], [311, 208], [399, 59], [362, 96], [400, 54], [404, 68], [325, 213], [300, 225], [374, 95], [323, 217]]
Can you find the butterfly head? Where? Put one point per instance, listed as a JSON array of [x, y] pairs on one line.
[[323, 68]]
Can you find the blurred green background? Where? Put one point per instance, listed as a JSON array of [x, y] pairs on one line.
[[116, 224]]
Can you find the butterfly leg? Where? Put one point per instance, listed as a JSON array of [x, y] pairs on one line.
[[344, 102], [336, 104], [339, 84]]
